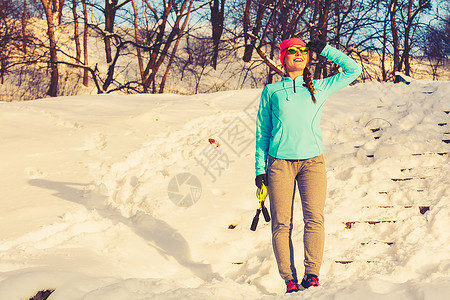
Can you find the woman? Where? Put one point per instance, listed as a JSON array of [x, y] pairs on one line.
[[289, 149]]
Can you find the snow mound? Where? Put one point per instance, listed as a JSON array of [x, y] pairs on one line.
[[152, 197]]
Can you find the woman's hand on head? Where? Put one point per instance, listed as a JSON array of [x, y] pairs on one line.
[[316, 45]]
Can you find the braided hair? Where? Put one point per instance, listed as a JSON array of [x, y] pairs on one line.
[[308, 83]]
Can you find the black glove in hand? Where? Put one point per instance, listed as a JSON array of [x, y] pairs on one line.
[[316, 46], [260, 179]]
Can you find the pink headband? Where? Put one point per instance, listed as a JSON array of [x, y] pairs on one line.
[[288, 43]]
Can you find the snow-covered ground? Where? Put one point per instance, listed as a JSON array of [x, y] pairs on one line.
[[152, 197]]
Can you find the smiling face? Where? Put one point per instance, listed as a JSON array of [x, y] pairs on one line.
[[295, 62]]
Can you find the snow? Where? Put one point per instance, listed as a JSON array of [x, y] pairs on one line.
[[87, 209]]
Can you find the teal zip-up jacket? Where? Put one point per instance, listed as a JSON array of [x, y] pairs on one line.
[[288, 121]]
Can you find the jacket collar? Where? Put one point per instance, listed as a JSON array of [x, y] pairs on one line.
[[298, 80]]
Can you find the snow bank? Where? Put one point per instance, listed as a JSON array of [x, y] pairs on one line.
[[152, 196]]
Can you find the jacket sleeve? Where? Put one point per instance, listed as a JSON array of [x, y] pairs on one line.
[[350, 71], [263, 132]]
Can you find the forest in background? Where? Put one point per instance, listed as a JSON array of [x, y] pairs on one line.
[[68, 47]]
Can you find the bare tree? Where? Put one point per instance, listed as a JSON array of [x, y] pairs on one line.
[[387, 30], [24, 26], [175, 48], [110, 10], [357, 27], [19, 48], [384, 43], [413, 11], [260, 16], [162, 38], [199, 59], [404, 23], [267, 22], [217, 19], [320, 31], [10, 37], [76, 34], [437, 46], [394, 31], [85, 44], [53, 9], [138, 49]]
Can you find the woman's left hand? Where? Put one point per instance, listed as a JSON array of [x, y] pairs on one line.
[[316, 45]]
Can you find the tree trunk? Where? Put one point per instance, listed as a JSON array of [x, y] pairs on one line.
[[59, 10], [138, 50], [51, 11], [217, 17], [152, 68], [272, 55], [338, 13], [383, 55], [110, 14], [248, 51], [314, 30], [392, 12], [53, 90], [111, 8], [76, 33], [2, 67], [322, 35], [259, 18], [407, 46], [175, 47], [24, 24], [174, 34], [85, 44]]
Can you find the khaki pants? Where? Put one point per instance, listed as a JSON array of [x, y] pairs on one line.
[[312, 183]]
